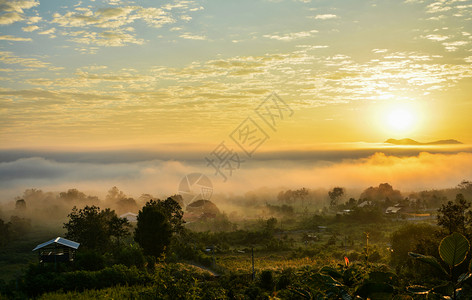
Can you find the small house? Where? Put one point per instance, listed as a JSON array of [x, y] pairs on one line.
[[57, 250], [131, 217], [393, 210]]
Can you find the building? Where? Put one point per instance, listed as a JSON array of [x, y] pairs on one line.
[[393, 210], [57, 250], [131, 217]]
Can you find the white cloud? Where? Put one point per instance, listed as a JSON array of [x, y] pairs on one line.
[[49, 32], [17, 5], [291, 36], [453, 46], [325, 17], [9, 58], [32, 20], [190, 36], [30, 28], [436, 37], [14, 38], [12, 10], [9, 18]]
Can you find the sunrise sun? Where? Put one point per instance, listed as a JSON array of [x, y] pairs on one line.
[[400, 118]]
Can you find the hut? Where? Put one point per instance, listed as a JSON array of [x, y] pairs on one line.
[[57, 250]]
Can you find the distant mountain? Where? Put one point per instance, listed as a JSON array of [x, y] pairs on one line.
[[410, 142]]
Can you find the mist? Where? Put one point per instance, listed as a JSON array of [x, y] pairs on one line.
[[407, 169]]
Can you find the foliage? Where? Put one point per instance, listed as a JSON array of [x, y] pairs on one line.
[[95, 229], [381, 193], [89, 260], [153, 231], [291, 197], [5, 232], [455, 216], [334, 195], [453, 250], [413, 238], [39, 280]]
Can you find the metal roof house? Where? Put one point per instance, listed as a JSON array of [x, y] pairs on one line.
[[131, 217], [57, 250]]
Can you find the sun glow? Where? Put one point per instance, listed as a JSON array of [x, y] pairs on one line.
[[401, 119], [398, 119]]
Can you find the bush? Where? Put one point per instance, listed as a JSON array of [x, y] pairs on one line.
[[266, 281], [39, 280], [89, 261], [130, 255]]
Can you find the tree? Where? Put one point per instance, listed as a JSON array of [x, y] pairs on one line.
[[173, 212], [5, 232], [153, 231], [95, 229], [334, 195], [380, 193], [455, 216], [114, 195]]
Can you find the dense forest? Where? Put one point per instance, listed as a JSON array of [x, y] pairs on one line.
[[266, 244]]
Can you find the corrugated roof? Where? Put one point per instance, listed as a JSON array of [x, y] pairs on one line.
[[59, 240]]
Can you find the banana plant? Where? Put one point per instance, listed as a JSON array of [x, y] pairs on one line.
[[453, 251]]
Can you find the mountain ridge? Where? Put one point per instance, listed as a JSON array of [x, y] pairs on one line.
[[411, 142]]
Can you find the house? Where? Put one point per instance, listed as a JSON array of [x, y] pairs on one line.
[[393, 210], [57, 250], [131, 217], [365, 203]]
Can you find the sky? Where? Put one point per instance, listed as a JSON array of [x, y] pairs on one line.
[[176, 76]]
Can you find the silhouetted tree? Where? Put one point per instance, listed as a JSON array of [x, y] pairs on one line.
[[381, 193], [20, 205], [127, 205], [5, 232], [153, 231], [95, 229], [334, 195], [455, 216], [114, 195]]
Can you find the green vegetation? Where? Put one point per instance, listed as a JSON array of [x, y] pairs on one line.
[[350, 250]]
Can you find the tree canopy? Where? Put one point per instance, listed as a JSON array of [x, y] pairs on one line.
[[154, 230], [455, 216], [94, 228]]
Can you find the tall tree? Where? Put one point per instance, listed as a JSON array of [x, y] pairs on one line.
[[95, 229], [455, 216], [334, 195], [153, 231]]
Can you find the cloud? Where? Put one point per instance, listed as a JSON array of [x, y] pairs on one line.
[[49, 32], [107, 26], [291, 36], [11, 11], [17, 5], [115, 38], [14, 38], [9, 58], [190, 36], [325, 17], [30, 28], [436, 37], [453, 46], [9, 18]]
